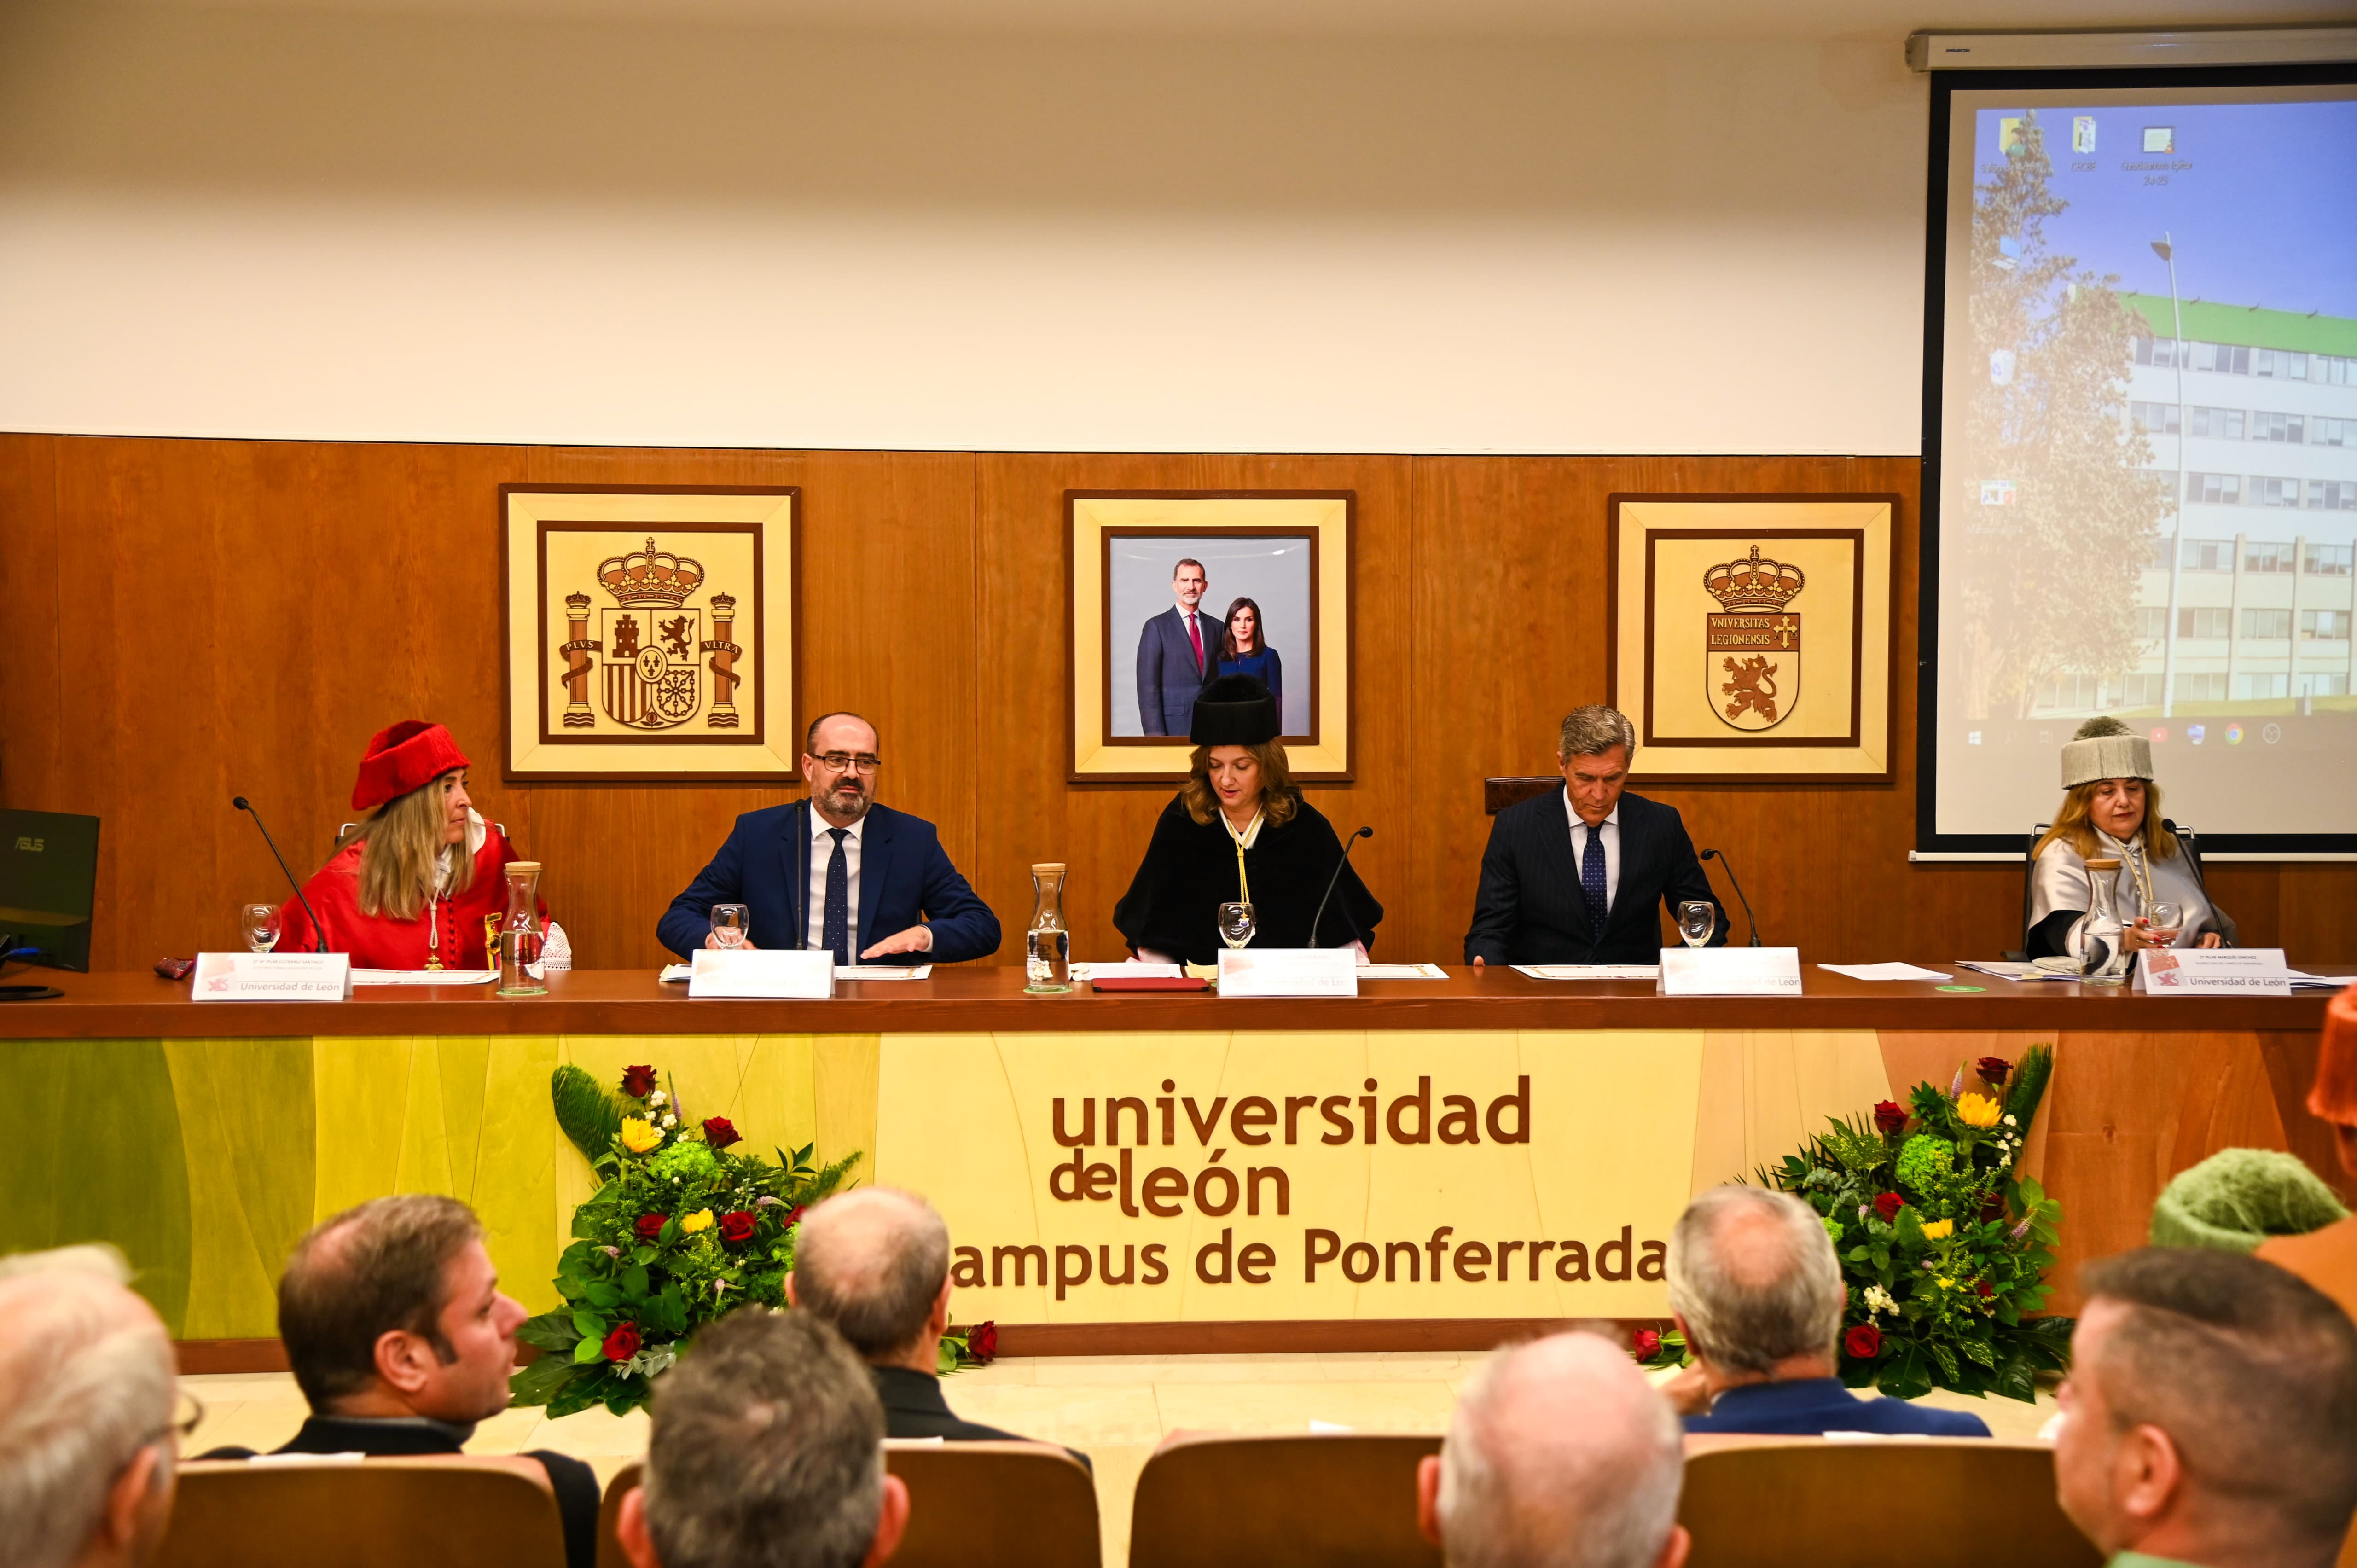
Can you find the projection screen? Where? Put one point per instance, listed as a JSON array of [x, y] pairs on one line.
[[2140, 439]]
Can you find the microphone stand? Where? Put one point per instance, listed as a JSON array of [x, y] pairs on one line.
[[318, 931], [1731, 882], [1361, 834]]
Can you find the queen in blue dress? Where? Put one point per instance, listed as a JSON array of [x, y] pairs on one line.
[[1245, 650]]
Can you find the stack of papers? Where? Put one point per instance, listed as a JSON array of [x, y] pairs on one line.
[[2301, 981], [1590, 971], [424, 976], [2008, 969], [1885, 972], [1402, 971], [677, 973]]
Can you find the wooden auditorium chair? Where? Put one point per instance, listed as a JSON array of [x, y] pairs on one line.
[[1281, 1502], [970, 1504], [1941, 1502], [459, 1511]]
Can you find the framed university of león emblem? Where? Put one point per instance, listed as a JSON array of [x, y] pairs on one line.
[[1750, 636], [649, 633]]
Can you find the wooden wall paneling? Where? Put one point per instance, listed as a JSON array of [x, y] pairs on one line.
[[32, 606], [1100, 831]]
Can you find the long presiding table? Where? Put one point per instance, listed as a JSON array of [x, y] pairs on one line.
[[1432, 1163]]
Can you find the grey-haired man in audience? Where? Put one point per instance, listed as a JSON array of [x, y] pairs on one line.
[[1559, 1455], [1759, 1295], [766, 1451], [87, 1434], [2210, 1414]]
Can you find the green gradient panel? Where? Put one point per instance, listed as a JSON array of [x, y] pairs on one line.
[[103, 1162], [247, 1120]]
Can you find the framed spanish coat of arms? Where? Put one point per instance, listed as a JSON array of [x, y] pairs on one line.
[[649, 633], [1750, 636]]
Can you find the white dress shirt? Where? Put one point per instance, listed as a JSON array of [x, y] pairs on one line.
[[1611, 829], [823, 851]]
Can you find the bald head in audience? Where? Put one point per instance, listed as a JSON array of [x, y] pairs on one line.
[[2210, 1414], [1559, 1456], [875, 1263], [87, 1389], [1756, 1287]]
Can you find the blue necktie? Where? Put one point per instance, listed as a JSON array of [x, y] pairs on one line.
[[834, 929], [1591, 878]]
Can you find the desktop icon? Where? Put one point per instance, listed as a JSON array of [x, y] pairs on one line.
[[2271, 733], [1997, 492], [2161, 138], [1972, 737], [2011, 138], [2194, 733], [2083, 134], [2159, 734], [2233, 734]]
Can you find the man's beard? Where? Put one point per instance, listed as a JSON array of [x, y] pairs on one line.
[[845, 804]]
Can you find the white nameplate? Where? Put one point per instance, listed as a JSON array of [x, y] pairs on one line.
[[784, 974], [2213, 971], [273, 977], [1290, 971], [1730, 972]]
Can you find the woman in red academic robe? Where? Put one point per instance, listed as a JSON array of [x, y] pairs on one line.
[[409, 886]]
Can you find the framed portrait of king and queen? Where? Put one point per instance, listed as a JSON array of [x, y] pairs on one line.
[[650, 633]]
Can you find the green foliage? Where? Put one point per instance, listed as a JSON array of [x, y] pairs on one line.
[[589, 1116], [1948, 1282], [679, 1234]]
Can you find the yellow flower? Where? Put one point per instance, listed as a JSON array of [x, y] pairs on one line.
[[699, 1220], [1939, 1230], [1978, 1110], [639, 1134]]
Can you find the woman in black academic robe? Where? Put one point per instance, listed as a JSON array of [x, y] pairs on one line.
[[1239, 832]]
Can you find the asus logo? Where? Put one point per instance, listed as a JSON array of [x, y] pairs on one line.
[[32, 846]]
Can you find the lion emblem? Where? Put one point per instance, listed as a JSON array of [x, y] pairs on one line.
[[1753, 687]]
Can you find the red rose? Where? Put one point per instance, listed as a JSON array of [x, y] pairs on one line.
[[1890, 1116], [1994, 1070], [736, 1227], [651, 1226], [982, 1342], [1995, 1207], [1863, 1342], [1983, 1287], [793, 1217], [638, 1082], [719, 1133], [1648, 1344], [1886, 1207], [623, 1343]]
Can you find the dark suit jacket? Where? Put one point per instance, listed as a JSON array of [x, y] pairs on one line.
[[1167, 678], [575, 1483], [913, 1407], [903, 873], [1531, 909], [1811, 1407]]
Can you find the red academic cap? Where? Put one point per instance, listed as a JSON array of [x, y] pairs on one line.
[[2334, 1098], [409, 756]]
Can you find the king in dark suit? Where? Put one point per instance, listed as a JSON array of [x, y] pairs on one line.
[[837, 871], [1177, 652], [1578, 877]]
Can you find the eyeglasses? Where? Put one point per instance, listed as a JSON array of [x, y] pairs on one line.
[[188, 1414], [846, 761]]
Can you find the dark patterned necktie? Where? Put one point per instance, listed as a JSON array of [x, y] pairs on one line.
[[1591, 878], [836, 930]]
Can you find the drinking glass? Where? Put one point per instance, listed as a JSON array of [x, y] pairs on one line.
[[1697, 917], [258, 924], [2167, 919], [730, 925], [1236, 924]]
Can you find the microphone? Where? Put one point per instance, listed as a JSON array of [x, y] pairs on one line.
[[1731, 882], [318, 931], [1347, 848]]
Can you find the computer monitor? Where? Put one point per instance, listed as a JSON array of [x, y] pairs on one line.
[[49, 879]]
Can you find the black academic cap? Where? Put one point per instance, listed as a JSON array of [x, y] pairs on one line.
[[1234, 710]]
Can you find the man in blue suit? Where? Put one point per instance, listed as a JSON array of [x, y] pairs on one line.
[[1177, 650], [1758, 1295], [837, 871]]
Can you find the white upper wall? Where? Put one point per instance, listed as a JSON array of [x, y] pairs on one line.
[[584, 224]]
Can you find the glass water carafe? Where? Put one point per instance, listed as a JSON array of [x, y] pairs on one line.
[[1048, 945], [2102, 946], [520, 933]]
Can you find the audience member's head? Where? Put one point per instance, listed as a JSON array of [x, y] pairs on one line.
[[875, 1263], [767, 1452], [2210, 1414], [1559, 1456], [394, 1309], [1755, 1285], [86, 1386]]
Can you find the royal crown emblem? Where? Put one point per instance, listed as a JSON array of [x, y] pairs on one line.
[[652, 576], [650, 641], [1754, 645]]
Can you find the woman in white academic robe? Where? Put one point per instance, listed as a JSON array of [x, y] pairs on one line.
[[2111, 810]]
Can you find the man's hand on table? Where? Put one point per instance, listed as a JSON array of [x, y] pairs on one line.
[[918, 937]]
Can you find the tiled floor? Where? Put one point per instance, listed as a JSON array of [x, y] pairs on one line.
[[1116, 1408]]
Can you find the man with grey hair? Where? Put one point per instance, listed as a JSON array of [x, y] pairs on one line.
[[1516, 1485], [765, 1450], [1581, 876], [1758, 1295], [87, 1434], [875, 1263]]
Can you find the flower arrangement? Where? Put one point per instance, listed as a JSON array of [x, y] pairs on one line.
[[1944, 1245], [684, 1230]]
